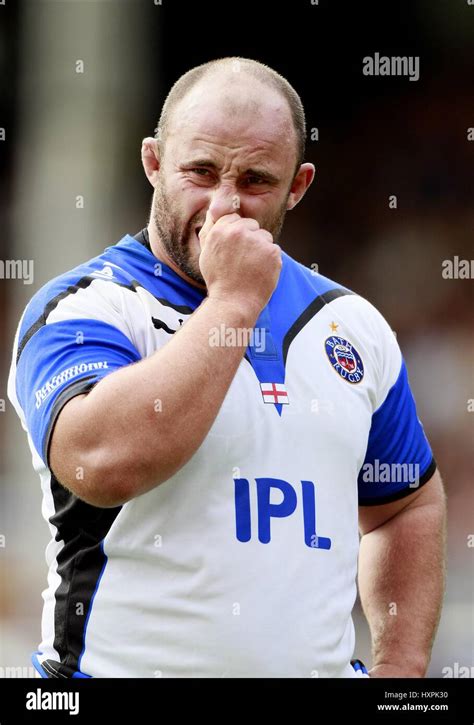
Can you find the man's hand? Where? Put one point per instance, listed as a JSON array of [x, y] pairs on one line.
[[239, 261]]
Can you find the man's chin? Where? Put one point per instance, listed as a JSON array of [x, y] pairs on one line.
[[195, 274], [192, 270]]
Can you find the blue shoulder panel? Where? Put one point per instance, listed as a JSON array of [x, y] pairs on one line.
[[399, 458], [61, 360], [127, 263]]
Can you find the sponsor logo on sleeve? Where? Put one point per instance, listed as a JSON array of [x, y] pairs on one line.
[[69, 374]]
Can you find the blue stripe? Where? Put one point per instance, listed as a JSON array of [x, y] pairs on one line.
[[358, 665], [37, 665]]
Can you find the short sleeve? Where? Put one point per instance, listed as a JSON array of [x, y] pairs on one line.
[[399, 458], [61, 360]]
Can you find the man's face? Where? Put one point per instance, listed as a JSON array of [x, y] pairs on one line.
[[230, 149]]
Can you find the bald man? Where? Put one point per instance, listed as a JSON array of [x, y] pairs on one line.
[[213, 424]]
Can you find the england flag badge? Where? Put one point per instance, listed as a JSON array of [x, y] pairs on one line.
[[274, 393]]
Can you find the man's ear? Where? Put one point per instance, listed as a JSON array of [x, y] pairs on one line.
[[151, 159], [303, 179]]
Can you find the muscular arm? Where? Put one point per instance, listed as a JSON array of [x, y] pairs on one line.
[[142, 423], [401, 578]]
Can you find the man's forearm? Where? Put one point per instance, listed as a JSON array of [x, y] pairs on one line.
[[142, 423], [401, 583]]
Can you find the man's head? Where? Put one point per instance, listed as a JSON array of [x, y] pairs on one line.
[[231, 138]]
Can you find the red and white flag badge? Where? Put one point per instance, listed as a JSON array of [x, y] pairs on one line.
[[274, 393]]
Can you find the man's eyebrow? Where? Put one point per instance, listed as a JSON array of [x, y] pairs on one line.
[[262, 173], [199, 162]]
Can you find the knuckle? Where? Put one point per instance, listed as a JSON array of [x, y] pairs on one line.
[[266, 236]]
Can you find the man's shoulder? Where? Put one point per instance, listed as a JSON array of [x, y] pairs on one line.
[[323, 290], [101, 267], [297, 274]]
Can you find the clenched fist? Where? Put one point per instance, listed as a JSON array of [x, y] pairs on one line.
[[239, 261]]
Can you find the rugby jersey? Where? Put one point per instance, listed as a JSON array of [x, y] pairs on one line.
[[243, 563]]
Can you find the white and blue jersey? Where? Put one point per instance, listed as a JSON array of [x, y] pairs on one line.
[[242, 564]]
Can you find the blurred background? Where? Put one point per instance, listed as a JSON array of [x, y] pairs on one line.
[[83, 81]]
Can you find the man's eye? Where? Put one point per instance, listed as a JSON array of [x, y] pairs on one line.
[[200, 171], [255, 180]]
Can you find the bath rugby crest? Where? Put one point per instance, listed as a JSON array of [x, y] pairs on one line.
[[345, 359]]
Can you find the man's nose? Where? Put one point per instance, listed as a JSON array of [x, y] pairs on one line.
[[224, 201]]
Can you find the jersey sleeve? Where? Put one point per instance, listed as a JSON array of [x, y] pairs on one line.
[[61, 360], [399, 458]]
